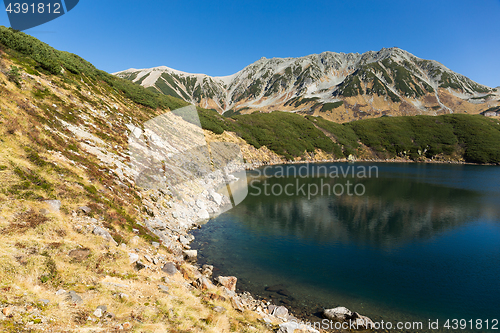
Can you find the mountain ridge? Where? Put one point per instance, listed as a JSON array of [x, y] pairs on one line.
[[374, 83]]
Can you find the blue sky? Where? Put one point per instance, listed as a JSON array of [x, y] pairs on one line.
[[222, 37]]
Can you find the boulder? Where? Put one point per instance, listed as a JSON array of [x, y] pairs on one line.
[[343, 314], [280, 311], [203, 214], [237, 303], [203, 283], [207, 270], [227, 281], [169, 268], [338, 314]]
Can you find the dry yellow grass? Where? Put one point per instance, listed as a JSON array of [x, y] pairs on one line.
[[40, 160]]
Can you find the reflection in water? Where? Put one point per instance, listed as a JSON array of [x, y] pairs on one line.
[[391, 212], [421, 243]]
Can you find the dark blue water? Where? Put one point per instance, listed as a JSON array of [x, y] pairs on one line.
[[422, 242]]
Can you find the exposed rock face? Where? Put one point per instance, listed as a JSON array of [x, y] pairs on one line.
[[389, 81]]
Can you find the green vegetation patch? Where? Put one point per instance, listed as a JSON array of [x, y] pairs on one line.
[[330, 106]]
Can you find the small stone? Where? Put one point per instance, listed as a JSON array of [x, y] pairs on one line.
[[7, 311], [44, 301], [133, 257], [44, 211], [73, 297], [104, 308], [155, 244], [60, 292], [139, 265], [122, 295], [98, 313], [219, 309], [163, 288], [169, 268], [148, 258], [156, 261], [85, 209], [104, 234], [126, 325], [110, 315]]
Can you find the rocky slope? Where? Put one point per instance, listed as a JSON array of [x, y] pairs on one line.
[[337, 86], [83, 247]]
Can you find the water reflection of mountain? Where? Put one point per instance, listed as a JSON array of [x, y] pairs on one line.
[[392, 212]]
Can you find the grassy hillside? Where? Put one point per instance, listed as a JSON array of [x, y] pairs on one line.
[[63, 136], [35, 56]]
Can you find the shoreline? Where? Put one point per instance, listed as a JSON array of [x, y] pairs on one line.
[[301, 312], [181, 243]]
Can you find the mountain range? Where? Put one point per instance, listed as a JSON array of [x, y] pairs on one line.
[[336, 86]]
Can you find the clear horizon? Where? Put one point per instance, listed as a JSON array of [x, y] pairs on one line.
[[220, 39]]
